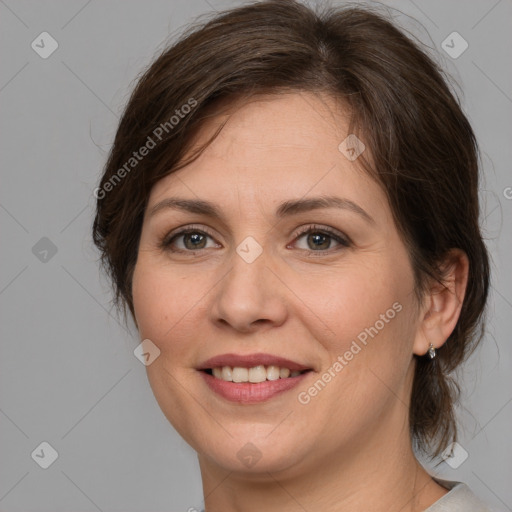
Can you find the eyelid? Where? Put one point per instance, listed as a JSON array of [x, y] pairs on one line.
[[187, 228]]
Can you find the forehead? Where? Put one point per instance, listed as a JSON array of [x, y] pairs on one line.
[[276, 147]]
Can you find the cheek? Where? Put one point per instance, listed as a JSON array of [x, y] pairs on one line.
[[367, 347], [160, 298], [382, 330], [363, 321], [162, 303], [349, 300], [169, 304]]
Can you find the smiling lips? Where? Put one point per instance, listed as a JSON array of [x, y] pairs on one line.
[[251, 378]]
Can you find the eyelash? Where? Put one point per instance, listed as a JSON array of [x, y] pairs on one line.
[[343, 241]]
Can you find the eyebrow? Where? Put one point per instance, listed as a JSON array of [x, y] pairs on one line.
[[285, 209]]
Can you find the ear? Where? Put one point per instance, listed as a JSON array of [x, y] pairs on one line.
[[442, 305]]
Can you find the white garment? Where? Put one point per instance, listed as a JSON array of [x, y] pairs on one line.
[[459, 498]]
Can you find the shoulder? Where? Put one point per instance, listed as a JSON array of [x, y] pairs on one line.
[[460, 498]]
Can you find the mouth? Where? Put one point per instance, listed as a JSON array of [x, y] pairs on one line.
[[252, 378]]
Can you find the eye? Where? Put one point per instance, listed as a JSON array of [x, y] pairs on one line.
[[311, 239], [320, 239], [188, 240]]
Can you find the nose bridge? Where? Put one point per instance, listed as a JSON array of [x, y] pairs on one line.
[[247, 293]]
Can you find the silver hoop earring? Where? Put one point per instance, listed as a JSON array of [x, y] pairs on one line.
[[432, 351]]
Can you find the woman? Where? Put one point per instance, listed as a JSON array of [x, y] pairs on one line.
[[290, 214]]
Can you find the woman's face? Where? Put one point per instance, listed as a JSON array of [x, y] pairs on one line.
[[268, 280]]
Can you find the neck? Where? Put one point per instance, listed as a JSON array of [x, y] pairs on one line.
[[392, 483], [378, 472]]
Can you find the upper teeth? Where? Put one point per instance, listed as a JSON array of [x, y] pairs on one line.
[[256, 374]]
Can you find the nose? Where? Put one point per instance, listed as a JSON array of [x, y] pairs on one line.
[[249, 297]]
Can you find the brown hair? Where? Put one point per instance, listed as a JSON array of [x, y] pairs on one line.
[[424, 153]]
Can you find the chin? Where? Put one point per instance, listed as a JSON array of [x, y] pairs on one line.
[[250, 460], [252, 455]]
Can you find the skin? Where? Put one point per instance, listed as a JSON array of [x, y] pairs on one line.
[[348, 448]]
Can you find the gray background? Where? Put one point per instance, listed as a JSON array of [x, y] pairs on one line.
[[68, 375]]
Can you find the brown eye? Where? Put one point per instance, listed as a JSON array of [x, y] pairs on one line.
[[194, 241], [320, 240], [188, 240]]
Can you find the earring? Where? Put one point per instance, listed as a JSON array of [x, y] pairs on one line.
[[432, 351]]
